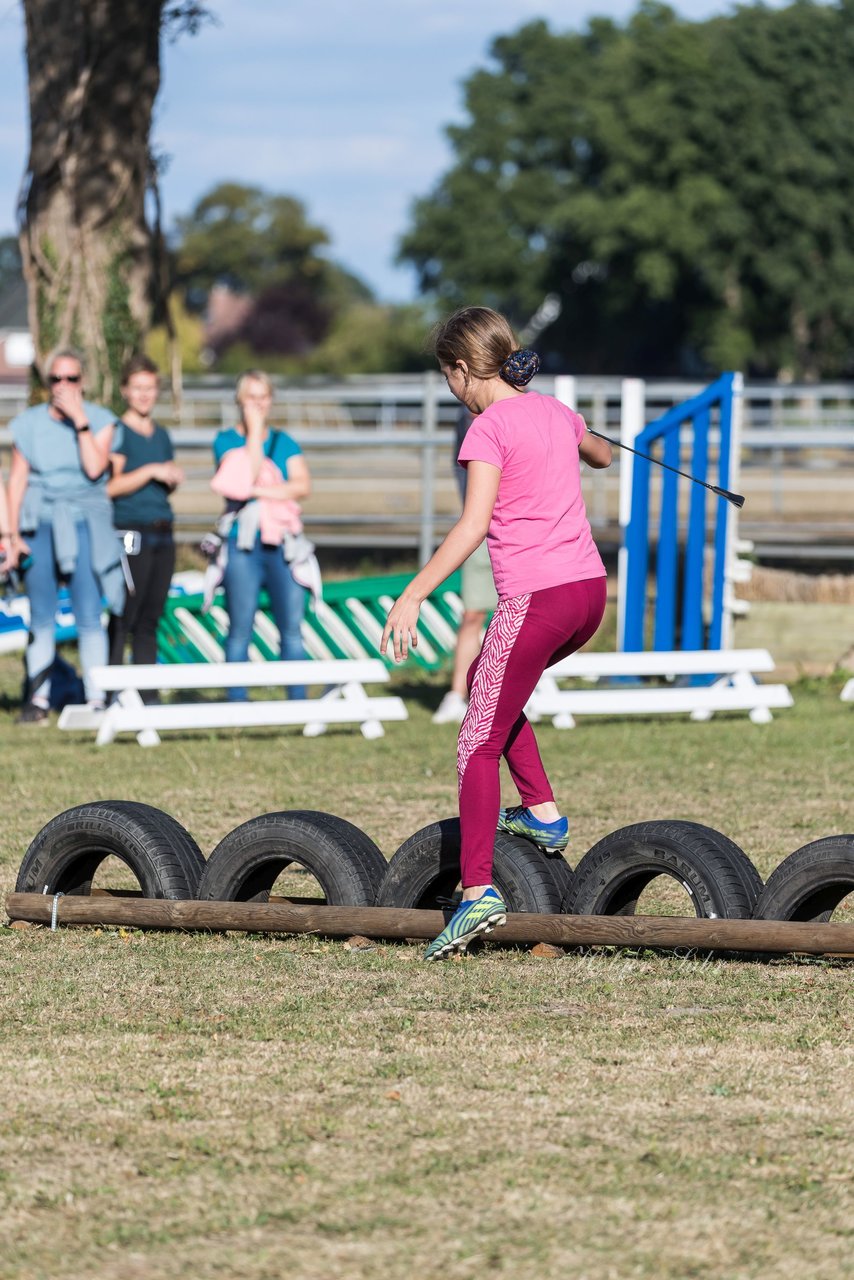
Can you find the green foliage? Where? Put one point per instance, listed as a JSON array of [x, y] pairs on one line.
[[373, 339], [249, 239], [365, 338], [239, 356], [189, 335], [122, 334], [263, 245], [47, 312], [686, 188]]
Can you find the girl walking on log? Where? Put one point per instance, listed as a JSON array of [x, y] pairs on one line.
[[524, 495]]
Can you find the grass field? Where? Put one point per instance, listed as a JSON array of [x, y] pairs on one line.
[[255, 1107]]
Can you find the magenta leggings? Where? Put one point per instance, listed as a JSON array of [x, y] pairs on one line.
[[526, 635]]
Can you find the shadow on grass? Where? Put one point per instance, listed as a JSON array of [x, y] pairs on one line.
[[425, 695]]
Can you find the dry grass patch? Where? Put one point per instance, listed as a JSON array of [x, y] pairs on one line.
[[224, 1106], [243, 1106]]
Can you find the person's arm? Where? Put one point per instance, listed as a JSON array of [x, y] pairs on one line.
[[122, 482], [467, 534], [594, 451], [94, 448], [19, 474], [296, 487], [6, 541], [256, 430]]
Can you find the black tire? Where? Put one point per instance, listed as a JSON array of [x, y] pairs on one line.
[[810, 884], [562, 874], [610, 878], [189, 851], [426, 870], [750, 878], [67, 852], [245, 864]]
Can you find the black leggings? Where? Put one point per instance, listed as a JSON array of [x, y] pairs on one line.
[[151, 571]]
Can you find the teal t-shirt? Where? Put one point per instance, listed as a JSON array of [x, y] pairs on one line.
[[151, 502], [278, 446]]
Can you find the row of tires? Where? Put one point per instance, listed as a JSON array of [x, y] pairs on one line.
[[717, 876]]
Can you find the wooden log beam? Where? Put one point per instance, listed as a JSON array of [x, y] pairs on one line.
[[137, 893], [668, 932]]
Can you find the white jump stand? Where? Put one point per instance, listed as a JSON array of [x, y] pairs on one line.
[[734, 689], [344, 702]]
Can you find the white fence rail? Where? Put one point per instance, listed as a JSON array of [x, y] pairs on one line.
[[380, 452]]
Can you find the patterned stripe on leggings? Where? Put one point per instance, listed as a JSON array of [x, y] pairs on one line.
[[500, 637]]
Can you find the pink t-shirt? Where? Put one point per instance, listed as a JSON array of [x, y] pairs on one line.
[[539, 535]]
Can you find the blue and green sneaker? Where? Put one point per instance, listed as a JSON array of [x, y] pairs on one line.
[[553, 837], [468, 921]]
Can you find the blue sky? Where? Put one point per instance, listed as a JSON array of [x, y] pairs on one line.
[[339, 104]]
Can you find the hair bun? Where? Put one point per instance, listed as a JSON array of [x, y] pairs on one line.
[[520, 367]]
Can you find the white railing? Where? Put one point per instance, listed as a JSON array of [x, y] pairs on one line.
[[379, 451]]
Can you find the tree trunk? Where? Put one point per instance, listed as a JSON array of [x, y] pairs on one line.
[[87, 249]]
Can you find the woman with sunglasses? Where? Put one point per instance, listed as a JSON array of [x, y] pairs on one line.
[[58, 501]]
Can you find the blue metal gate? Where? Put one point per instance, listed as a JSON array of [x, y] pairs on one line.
[[678, 619]]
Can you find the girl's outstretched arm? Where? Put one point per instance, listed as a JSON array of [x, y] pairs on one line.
[[467, 534], [595, 451]]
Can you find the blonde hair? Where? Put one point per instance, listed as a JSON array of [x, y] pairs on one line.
[[251, 375], [480, 336]]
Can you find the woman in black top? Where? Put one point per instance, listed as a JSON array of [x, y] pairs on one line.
[[144, 474]]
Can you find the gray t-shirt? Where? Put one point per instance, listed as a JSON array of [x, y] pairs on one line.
[[51, 449]]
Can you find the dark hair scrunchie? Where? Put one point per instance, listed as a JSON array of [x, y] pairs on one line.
[[520, 367]]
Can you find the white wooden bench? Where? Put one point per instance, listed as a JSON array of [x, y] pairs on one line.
[[344, 702], [847, 694], [735, 687]]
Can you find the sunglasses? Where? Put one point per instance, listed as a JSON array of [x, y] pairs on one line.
[[63, 377]]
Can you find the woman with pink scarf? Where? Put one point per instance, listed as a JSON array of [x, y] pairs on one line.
[[263, 476]]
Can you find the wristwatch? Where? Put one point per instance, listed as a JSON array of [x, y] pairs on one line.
[[84, 427]]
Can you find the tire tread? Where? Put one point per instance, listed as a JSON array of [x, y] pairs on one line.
[[345, 861], [719, 871]]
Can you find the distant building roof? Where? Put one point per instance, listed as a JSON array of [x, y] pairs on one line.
[[226, 312], [13, 307]]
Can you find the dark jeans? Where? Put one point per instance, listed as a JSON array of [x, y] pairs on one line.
[[151, 571]]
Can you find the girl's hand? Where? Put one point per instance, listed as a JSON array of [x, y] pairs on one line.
[[401, 626]]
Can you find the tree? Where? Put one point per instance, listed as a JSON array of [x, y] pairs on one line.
[[686, 188], [245, 238], [90, 257], [263, 245], [371, 338], [251, 240]]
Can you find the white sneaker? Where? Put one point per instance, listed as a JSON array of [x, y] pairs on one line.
[[451, 709]]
